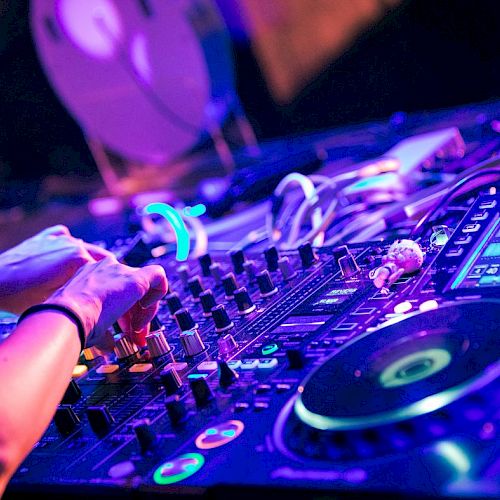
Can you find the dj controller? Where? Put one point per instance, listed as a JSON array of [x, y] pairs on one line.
[[289, 373]]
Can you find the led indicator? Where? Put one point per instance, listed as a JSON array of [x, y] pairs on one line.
[[178, 469], [269, 349], [219, 435]]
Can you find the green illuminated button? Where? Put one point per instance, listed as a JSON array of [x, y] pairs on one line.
[[179, 468], [269, 349]]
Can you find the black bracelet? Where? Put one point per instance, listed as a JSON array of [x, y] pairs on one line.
[[57, 307]]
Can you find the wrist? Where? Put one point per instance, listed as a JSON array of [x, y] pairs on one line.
[[85, 307]]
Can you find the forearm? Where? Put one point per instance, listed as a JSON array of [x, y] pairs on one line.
[[36, 363]]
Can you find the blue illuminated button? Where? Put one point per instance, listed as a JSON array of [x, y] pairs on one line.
[[219, 435], [179, 468], [269, 349], [267, 363], [249, 364], [234, 364]]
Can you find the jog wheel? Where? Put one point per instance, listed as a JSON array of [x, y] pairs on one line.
[[408, 382]]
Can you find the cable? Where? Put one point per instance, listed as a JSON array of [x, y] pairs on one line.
[[443, 202]]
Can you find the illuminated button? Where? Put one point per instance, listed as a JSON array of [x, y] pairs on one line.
[[140, 368], [262, 389], [428, 305], [219, 435], [463, 240], [260, 406], [195, 376], [455, 252], [207, 366], [91, 353], [487, 204], [283, 387], [471, 228], [234, 364], [79, 371], [122, 469], [403, 307], [178, 469], [267, 363], [269, 349], [106, 369], [480, 216], [249, 364], [179, 367]]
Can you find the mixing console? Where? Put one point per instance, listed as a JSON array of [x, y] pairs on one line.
[[293, 370]]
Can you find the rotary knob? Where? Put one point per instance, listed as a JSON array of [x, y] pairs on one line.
[[183, 273], [170, 380], [287, 271], [272, 257], [266, 285], [307, 255], [145, 435], [237, 259], [173, 302], [243, 301], [195, 287], [205, 263], [229, 284], [100, 419], [227, 376], [184, 320], [250, 269], [216, 272], [191, 342], [207, 302], [157, 344], [176, 410], [221, 319], [202, 393], [226, 345], [124, 347]]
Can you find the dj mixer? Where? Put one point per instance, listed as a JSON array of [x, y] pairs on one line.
[[290, 373]]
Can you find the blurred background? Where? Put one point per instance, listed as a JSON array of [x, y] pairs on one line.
[[301, 66]]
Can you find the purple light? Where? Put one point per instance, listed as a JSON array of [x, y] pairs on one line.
[[140, 58], [94, 26]]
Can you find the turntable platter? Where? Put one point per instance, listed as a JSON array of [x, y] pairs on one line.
[[405, 369]]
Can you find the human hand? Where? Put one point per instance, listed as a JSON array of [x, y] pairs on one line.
[[37, 267], [103, 292]]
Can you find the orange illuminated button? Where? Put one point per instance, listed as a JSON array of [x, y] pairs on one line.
[[79, 371], [219, 435], [140, 368], [104, 369]]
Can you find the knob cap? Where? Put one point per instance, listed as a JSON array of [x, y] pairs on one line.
[[202, 393], [229, 284], [243, 301], [155, 325], [250, 269], [216, 272], [340, 251], [170, 380], [191, 342], [157, 344], [286, 268], [227, 376], [100, 419], [124, 347], [145, 435], [195, 287], [176, 410], [295, 358], [173, 302], [205, 263], [184, 320], [272, 257], [207, 302], [266, 285], [307, 255], [237, 259], [226, 345], [66, 419], [72, 395], [183, 273], [221, 319]]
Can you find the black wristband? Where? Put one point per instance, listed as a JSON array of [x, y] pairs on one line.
[[57, 307]]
